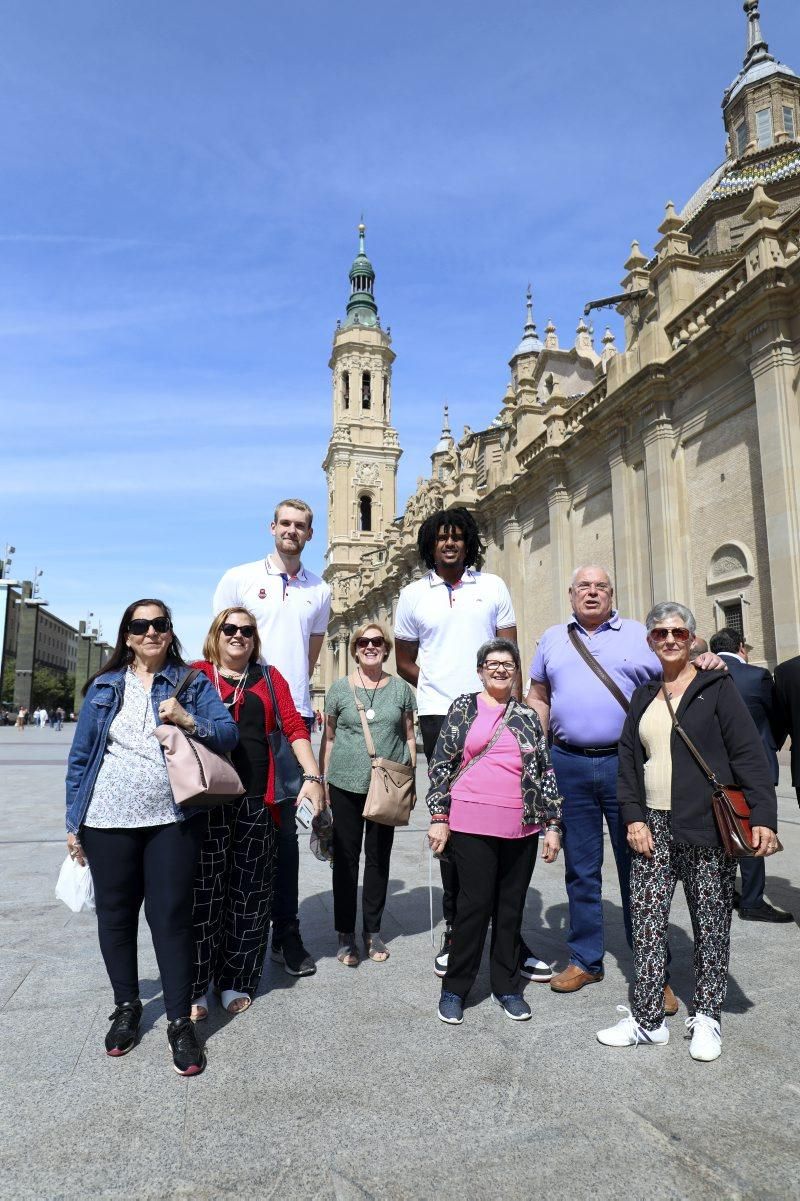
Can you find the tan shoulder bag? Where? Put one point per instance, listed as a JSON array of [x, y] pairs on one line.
[[392, 787]]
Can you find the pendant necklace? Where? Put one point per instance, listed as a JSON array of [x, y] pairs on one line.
[[370, 713], [238, 690]]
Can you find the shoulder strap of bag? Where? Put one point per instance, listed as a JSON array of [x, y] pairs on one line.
[[183, 684], [601, 673], [364, 723], [272, 697], [692, 748], [484, 750]]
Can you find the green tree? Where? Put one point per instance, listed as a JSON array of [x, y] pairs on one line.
[[48, 688], [7, 690]]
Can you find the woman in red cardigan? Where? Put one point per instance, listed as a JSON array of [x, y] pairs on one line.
[[233, 887]]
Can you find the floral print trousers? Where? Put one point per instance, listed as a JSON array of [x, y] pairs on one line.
[[708, 876]]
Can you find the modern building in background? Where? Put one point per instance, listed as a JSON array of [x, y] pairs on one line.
[[675, 460], [38, 647]]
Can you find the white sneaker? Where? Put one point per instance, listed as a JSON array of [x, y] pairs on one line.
[[706, 1041], [534, 968], [628, 1032]]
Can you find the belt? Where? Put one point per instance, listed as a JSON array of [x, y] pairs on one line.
[[592, 752]]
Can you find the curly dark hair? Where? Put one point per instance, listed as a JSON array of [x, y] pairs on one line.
[[455, 518]]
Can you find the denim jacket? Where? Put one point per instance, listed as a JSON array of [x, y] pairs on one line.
[[101, 705]]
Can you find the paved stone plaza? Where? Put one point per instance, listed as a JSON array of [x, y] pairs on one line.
[[346, 1086]]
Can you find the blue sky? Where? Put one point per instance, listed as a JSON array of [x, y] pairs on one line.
[[180, 189]]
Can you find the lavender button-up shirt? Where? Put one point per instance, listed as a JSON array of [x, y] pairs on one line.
[[582, 710]]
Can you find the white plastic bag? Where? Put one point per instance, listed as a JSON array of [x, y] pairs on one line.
[[74, 886]]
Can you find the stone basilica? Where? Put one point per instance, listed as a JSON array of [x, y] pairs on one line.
[[674, 460]]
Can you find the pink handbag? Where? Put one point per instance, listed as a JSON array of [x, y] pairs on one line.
[[198, 776]]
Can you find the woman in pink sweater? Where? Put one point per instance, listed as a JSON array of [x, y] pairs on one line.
[[493, 792]]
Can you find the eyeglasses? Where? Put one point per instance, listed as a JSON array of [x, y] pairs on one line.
[[140, 625], [363, 643], [229, 630], [585, 586], [495, 665], [660, 634]]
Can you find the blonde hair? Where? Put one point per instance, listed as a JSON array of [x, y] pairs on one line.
[[372, 625], [293, 503], [211, 644]]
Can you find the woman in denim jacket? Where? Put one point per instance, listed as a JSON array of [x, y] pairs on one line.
[[123, 820]]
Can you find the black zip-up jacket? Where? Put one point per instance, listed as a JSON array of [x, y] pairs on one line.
[[715, 717]]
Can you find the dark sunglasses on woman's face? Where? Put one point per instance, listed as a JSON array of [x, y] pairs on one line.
[[140, 625], [363, 643], [659, 634], [229, 629]]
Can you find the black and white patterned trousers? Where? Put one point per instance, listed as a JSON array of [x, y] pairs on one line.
[[708, 876], [233, 897]]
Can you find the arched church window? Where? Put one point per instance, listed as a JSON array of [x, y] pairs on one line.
[[365, 514], [346, 389], [366, 391]]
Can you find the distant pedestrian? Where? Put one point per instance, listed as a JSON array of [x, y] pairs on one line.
[[665, 804], [22, 717], [60, 715], [787, 712], [758, 692], [122, 817]]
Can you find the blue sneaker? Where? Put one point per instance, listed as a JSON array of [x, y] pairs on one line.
[[451, 1009], [514, 1006]]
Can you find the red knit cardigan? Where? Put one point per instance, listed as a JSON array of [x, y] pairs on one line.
[[293, 725]]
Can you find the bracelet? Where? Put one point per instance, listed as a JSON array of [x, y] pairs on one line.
[[313, 779], [553, 826], [440, 817]]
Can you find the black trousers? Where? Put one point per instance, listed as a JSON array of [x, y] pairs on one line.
[[494, 875], [754, 880], [233, 896], [286, 887], [430, 725], [349, 829], [155, 865]]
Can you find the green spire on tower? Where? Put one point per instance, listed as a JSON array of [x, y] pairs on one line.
[[361, 307]]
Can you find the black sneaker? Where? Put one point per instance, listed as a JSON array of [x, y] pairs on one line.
[[125, 1020], [288, 949], [188, 1057], [441, 960]]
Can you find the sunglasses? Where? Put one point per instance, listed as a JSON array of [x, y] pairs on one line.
[[229, 629], [659, 634], [363, 643], [140, 625]]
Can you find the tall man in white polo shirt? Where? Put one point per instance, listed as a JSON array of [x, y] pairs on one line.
[[441, 622], [292, 607]]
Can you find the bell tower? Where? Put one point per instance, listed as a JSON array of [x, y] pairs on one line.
[[361, 463]]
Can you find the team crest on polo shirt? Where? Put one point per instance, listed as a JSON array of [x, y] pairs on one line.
[[262, 594]]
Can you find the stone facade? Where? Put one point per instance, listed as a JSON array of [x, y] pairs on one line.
[[675, 460]]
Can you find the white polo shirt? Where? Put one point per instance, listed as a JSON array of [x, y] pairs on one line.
[[450, 625], [289, 612]]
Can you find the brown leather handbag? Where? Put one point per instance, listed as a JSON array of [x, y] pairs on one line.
[[728, 803]]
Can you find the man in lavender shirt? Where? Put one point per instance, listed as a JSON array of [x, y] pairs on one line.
[[585, 721]]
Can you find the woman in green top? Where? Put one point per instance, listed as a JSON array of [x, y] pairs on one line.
[[345, 763]]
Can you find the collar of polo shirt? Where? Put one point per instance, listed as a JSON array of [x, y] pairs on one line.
[[467, 578], [273, 570], [614, 622]]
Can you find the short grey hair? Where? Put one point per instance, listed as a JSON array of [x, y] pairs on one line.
[[671, 609], [499, 644], [583, 567]]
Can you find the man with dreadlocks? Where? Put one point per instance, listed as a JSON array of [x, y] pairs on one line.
[[442, 620]]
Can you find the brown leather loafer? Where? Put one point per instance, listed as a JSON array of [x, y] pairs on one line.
[[671, 1002], [572, 978]]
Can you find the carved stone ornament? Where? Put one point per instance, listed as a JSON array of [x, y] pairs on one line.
[[366, 473], [730, 563]]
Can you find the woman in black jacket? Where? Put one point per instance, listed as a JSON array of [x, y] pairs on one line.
[[665, 802]]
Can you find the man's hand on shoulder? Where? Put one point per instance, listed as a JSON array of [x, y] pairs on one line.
[[708, 661]]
